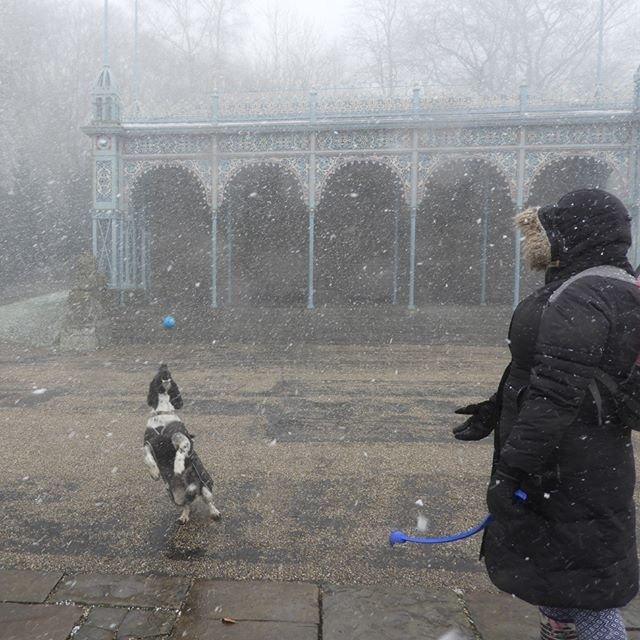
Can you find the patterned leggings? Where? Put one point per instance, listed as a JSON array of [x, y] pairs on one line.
[[581, 624]]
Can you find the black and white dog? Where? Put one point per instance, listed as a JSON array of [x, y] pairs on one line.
[[168, 448]]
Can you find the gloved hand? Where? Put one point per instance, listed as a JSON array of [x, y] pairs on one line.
[[501, 500], [484, 417]]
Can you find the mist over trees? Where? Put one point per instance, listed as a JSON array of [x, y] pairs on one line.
[[51, 53]]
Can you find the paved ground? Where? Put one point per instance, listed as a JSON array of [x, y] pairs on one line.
[[317, 454], [52, 605]]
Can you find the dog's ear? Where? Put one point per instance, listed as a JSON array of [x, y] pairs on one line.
[[152, 396], [175, 396]]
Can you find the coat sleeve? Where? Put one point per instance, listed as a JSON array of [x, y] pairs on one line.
[[573, 333]]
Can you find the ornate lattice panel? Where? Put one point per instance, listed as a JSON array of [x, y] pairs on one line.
[[106, 244], [361, 102], [469, 137], [230, 168], [504, 162], [617, 161], [134, 169], [400, 166], [364, 139], [247, 106], [573, 134], [258, 142], [104, 182], [174, 144]]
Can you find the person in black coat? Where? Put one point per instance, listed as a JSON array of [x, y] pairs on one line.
[[571, 547]]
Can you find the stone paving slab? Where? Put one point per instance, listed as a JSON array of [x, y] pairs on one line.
[[502, 617], [264, 601], [189, 628], [391, 613], [93, 633], [631, 614], [37, 621], [108, 618], [146, 624], [136, 591], [27, 586]]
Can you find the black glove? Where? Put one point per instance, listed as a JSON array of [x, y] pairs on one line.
[[501, 499], [484, 417]]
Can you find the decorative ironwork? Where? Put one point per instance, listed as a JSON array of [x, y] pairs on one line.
[[197, 109], [504, 162], [246, 141], [551, 100], [439, 101], [106, 244], [350, 127], [230, 168], [340, 102], [469, 137], [104, 181], [615, 161], [364, 139], [134, 169], [246, 106], [399, 165], [174, 144], [373, 101], [572, 134]]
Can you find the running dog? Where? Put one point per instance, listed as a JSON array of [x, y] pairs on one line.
[[168, 448]]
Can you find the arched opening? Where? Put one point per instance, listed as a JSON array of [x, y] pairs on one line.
[[170, 204], [360, 232], [264, 225], [464, 236], [556, 178], [567, 174]]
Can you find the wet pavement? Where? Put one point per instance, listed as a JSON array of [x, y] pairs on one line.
[[317, 453]]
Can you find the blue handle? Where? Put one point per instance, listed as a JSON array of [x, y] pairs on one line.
[[397, 537]]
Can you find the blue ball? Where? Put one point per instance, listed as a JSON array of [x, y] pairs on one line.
[[169, 322]]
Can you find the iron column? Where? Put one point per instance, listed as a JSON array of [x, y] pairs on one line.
[[413, 213]]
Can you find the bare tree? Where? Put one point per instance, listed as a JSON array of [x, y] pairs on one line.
[[198, 31], [494, 45], [378, 32], [290, 52]]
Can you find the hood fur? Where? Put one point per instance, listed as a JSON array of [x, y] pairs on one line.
[[536, 246]]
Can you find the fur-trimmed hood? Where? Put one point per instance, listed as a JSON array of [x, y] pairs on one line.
[[586, 228]]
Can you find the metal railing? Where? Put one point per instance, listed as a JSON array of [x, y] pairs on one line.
[[365, 103]]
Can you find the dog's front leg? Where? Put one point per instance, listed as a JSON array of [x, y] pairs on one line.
[[150, 462], [207, 496], [183, 447], [184, 516]]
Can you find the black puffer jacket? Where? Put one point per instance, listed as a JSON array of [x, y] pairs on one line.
[[575, 544]]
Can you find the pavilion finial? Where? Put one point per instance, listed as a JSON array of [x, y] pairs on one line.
[[106, 101], [105, 34]]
